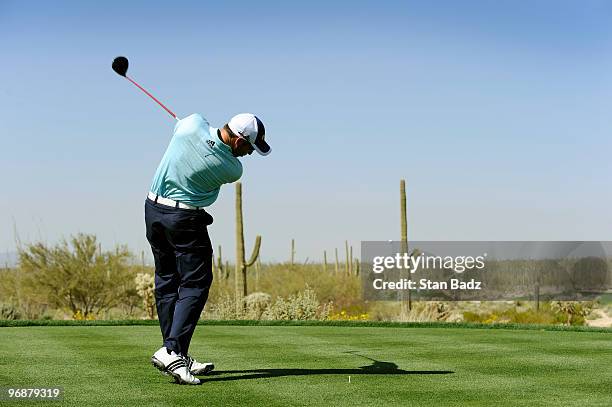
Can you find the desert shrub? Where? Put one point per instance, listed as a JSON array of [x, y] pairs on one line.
[[511, 316], [572, 312], [145, 288], [131, 305], [531, 316], [470, 316], [9, 311], [557, 312], [28, 302], [282, 280], [423, 311], [76, 275], [590, 273], [79, 316], [256, 304], [301, 306], [346, 316], [492, 317], [223, 308]]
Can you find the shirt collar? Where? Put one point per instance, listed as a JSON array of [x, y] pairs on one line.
[[214, 132]]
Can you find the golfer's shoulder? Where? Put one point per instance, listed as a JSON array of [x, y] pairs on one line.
[[194, 123], [195, 119]]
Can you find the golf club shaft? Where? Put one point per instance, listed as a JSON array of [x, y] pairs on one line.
[[152, 97]]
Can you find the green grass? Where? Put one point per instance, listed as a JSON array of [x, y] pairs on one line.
[[241, 322], [311, 365]]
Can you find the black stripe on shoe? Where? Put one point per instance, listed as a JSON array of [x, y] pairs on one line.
[[175, 365], [189, 361]]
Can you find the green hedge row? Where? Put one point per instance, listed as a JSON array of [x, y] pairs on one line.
[[23, 323]]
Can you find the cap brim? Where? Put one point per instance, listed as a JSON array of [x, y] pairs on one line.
[[261, 147]]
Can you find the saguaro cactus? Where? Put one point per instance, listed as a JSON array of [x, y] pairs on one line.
[[351, 260], [223, 271], [292, 252], [324, 261], [337, 266], [348, 259], [404, 235], [241, 263], [257, 268]]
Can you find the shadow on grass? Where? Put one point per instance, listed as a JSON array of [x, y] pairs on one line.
[[376, 368]]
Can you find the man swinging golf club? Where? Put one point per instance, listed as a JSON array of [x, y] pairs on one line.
[[198, 160]]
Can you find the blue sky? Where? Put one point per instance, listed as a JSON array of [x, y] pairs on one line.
[[496, 113]]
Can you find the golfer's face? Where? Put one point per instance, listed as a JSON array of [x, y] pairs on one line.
[[242, 147]]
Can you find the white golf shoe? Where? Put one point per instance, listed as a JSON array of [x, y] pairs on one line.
[[174, 365], [197, 368]]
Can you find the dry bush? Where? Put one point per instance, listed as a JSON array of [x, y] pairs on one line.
[[301, 306], [145, 287], [76, 275], [425, 311], [223, 308], [256, 305], [259, 306], [282, 280], [555, 313]]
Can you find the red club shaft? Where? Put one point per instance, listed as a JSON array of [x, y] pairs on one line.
[[152, 97]]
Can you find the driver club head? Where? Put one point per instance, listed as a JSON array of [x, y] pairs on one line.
[[120, 65]]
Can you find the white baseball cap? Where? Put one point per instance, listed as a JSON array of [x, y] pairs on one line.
[[250, 128]]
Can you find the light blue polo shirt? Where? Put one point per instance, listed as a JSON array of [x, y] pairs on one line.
[[195, 164]]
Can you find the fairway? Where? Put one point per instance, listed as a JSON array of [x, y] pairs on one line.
[[311, 365]]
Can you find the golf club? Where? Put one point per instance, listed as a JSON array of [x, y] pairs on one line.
[[120, 66]]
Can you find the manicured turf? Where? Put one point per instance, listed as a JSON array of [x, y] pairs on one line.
[[311, 365]]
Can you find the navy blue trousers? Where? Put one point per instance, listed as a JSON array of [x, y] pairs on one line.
[[183, 269]]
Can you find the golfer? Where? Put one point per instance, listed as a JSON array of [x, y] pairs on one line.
[[199, 159]]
